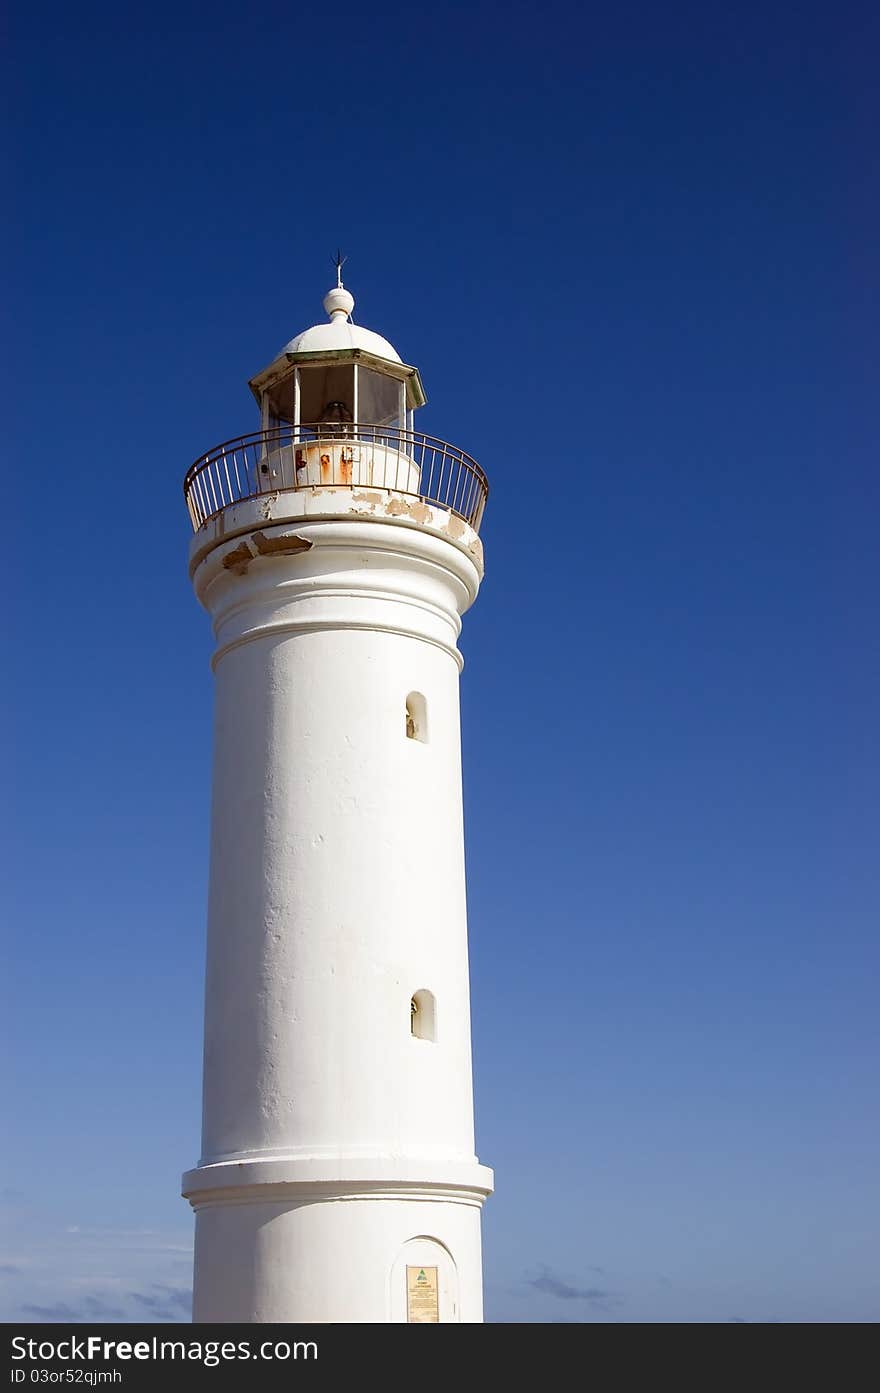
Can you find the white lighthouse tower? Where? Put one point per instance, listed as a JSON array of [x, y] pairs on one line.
[[336, 550]]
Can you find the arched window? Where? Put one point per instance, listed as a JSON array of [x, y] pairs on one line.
[[417, 718], [423, 1015]]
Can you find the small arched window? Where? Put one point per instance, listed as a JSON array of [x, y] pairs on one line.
[[423, 1015], [417, 718]]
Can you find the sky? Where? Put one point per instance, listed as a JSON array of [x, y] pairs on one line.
[[632, 251]]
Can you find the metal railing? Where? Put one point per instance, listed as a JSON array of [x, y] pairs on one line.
[[347, 456]]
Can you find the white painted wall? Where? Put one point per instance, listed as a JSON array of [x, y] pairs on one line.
[[337, 890], [341, 1261]]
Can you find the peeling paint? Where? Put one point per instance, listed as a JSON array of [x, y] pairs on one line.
[[358, 502], [280, 546], [418, 511], [238, 560]]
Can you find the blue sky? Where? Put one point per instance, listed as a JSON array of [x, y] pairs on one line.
[[633, 255]]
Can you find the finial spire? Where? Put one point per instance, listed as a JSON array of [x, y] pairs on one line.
[[338, 301]]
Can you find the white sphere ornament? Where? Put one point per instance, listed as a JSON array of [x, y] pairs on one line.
[[338, 301]]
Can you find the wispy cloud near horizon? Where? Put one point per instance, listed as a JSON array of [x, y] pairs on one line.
[[551, 1284], [72, 1273]]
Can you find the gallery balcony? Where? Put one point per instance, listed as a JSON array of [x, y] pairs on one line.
[[399, 463]]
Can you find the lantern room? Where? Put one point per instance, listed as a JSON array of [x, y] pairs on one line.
[[338, 376]]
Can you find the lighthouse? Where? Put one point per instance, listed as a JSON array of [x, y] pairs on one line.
[[336, 549]]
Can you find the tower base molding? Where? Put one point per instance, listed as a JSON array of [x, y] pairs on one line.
[[304, 1241]]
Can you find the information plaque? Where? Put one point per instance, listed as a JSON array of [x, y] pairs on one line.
[[422, 1301]]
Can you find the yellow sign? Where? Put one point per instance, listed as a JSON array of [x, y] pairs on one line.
[[422, 1300]]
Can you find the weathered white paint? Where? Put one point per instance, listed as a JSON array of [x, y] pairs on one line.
[[335, 1141], [366, 464], [246, 520], [339, 333]]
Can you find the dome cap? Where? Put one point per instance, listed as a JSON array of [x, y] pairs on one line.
[[340, 333]]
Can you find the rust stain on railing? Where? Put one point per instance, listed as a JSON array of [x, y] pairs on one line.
[[410, 471]]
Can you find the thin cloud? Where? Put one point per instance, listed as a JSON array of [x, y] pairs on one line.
[[59, 1312], [88, 1309], [9, 1269], [552, 1285], [163, 1303], [166, 1303], [106, 1231]]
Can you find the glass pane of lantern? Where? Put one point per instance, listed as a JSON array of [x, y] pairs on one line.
[[280, 397], [378, 398], [327, 392]]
